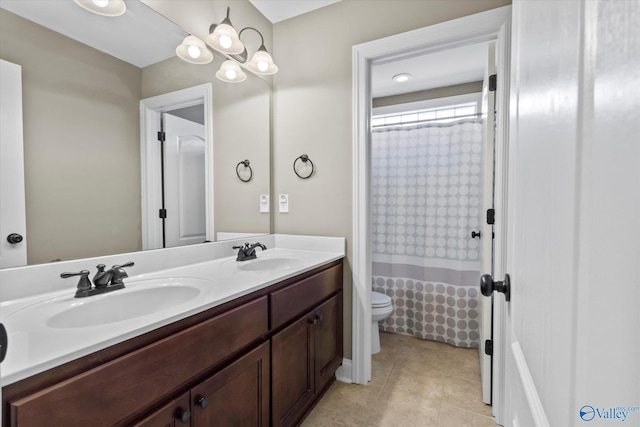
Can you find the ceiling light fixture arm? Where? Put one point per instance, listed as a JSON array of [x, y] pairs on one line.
[[259, 33]]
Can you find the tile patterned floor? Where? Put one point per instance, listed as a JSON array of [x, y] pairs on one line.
[[415, 383]]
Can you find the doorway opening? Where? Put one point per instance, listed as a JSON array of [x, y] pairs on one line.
[[491, 26]]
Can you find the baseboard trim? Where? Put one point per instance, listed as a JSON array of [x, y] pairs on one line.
[[533, 398], [345, 372]]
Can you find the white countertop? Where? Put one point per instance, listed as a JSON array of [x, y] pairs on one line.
[[35, 347]]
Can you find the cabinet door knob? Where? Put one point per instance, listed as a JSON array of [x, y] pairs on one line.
[[183, 415], [311, 320], [319, 317], [202, 401]]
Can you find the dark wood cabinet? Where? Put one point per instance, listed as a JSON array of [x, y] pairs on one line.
[[263, 359], [292, 377], [328, 348], [238, 395], [305, 356], [117, 391], [176, 413]]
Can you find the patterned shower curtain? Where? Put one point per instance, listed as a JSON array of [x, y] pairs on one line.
[[426, 199]]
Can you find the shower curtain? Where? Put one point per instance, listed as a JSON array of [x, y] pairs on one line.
[[426, 185]]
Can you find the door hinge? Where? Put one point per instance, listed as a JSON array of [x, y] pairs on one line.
[[493, 82], [491, 216], [161, 136], [162, 213], [488, 347]]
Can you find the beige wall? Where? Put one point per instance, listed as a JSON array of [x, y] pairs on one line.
[[312, 107], [82, 156], [425, 95], [241, 123]]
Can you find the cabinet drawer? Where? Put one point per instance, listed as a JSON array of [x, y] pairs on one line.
[[294, 300], [124, 388]]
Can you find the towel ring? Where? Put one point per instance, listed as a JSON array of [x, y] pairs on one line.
[[304, 159], [246, 164]]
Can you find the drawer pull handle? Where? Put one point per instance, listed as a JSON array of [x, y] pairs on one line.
[[183, 415], [202, 402]]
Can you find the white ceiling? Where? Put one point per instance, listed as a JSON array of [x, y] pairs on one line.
[[140, 37], [279, 10], [450, 67]]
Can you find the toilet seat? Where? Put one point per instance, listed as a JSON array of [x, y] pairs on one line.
[[379, 300]]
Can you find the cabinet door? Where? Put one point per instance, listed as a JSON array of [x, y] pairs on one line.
[[174, 414], [328, 341], [292, 371], [238, 395]]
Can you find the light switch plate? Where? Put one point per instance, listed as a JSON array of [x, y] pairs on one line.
[[264, 203], [283, 202]]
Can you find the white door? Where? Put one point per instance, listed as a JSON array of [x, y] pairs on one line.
[[488, 111], [12, 199], [184, 179], [573, 346]]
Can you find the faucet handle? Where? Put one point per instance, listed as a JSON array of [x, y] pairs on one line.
[[129, 264], [84, 284]]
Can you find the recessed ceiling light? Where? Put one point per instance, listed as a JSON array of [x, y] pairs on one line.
[[403, 77]]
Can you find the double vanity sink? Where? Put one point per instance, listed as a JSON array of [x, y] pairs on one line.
[[47, 330], [57, 341]]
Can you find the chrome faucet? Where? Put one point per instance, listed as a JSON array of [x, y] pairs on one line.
[[111, 277], [248, 251], [104, 281]]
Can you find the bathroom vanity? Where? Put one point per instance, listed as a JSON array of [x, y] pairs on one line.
[[261, 357]]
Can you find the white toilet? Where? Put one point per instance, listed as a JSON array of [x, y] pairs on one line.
[[381, 308]]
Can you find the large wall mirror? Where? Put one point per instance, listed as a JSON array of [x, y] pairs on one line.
[[82, 134]]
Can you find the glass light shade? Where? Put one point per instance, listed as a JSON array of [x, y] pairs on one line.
[[231, 72], [225, 39], [194, 51], [262, 63], [103, 7]]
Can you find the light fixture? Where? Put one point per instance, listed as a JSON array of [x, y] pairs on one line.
[[194, 50], [231, 72], [261, 62], [224, 38], [103, 7], [402, 77]]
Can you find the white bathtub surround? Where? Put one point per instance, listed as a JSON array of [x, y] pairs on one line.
[[35, 347]]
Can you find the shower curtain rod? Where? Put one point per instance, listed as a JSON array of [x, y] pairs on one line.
[[454, 120]]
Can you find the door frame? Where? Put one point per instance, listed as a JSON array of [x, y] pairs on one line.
[[495, 25], [151, 110]]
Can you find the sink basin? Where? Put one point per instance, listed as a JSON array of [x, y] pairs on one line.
[[119, 307], [139, 298], [267, 264]]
